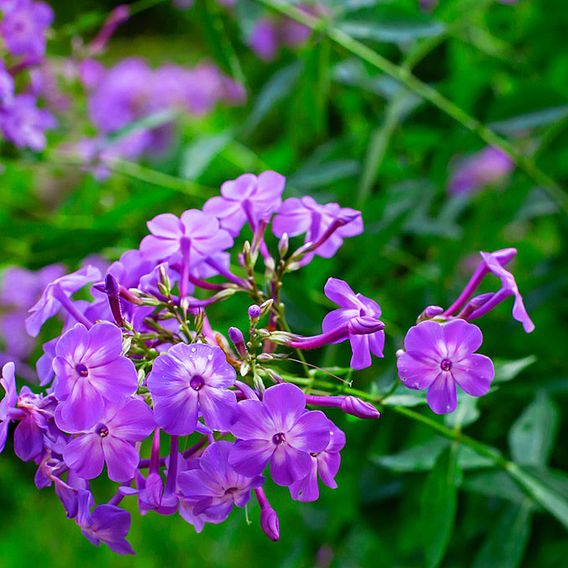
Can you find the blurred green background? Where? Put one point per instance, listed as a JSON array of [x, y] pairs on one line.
[[341, 130]]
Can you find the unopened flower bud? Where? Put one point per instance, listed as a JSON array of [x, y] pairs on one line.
[[270, 523], [238, 340], [265, 307], [112, 288], [283, 245], [430, 312], [254, 313], [357, 407]]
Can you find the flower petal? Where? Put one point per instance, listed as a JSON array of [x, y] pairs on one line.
[[474, 374], [441, 395]]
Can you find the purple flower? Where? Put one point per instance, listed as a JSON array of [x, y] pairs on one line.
[[111, 441], [91, 375], [56, 295], [324, 225], [478, 306], [486, 167], [354, 306], [278, 430], [189, 381], [24, 28], [107, 524], [24, 124], [196, 230], [263, 39], [8, 383], [20, 289], [6, 86], [36, 429], [508, 288], [214, 486], [325, 463], [438, 356], [247, 198]]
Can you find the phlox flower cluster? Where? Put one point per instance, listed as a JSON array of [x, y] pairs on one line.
[[24, 26], [140, 386]]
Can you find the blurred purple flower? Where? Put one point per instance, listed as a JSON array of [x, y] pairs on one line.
[[6, 86], [247, 198], [19, 290], [189, 381], [278, 430], [264, 40], [107, 524], [439, 356], [214, 486], [91, 375], [24, 124], [325, 464], [486, 167], [24, 28], [111, 441]]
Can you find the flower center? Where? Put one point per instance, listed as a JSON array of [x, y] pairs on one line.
[[197, 382], [446, 365], [81, 369], [231, 490], [102, 430], [278, 439]]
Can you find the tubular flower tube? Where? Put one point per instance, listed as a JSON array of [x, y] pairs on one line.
[[494, 263], [349, 404]]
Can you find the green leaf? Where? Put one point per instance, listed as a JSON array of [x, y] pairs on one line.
[[465, 414], [547, 496], [533, 435], [439, 504], [507, 540], [417, 458], [495, 484], [198, 155], [390, 24], [423, 457], [530, 120], [278, 88], [508, 370]]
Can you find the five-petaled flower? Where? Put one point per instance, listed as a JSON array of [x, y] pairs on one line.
[[246, 199], [91, 375], [439, 356], [111, 441], [213, 486], [189, 381], [278, 430]]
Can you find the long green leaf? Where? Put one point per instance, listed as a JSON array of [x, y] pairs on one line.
[[439, 505]]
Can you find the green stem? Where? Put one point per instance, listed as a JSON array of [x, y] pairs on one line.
[[141, 173], [425, 91], [94, 19]]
